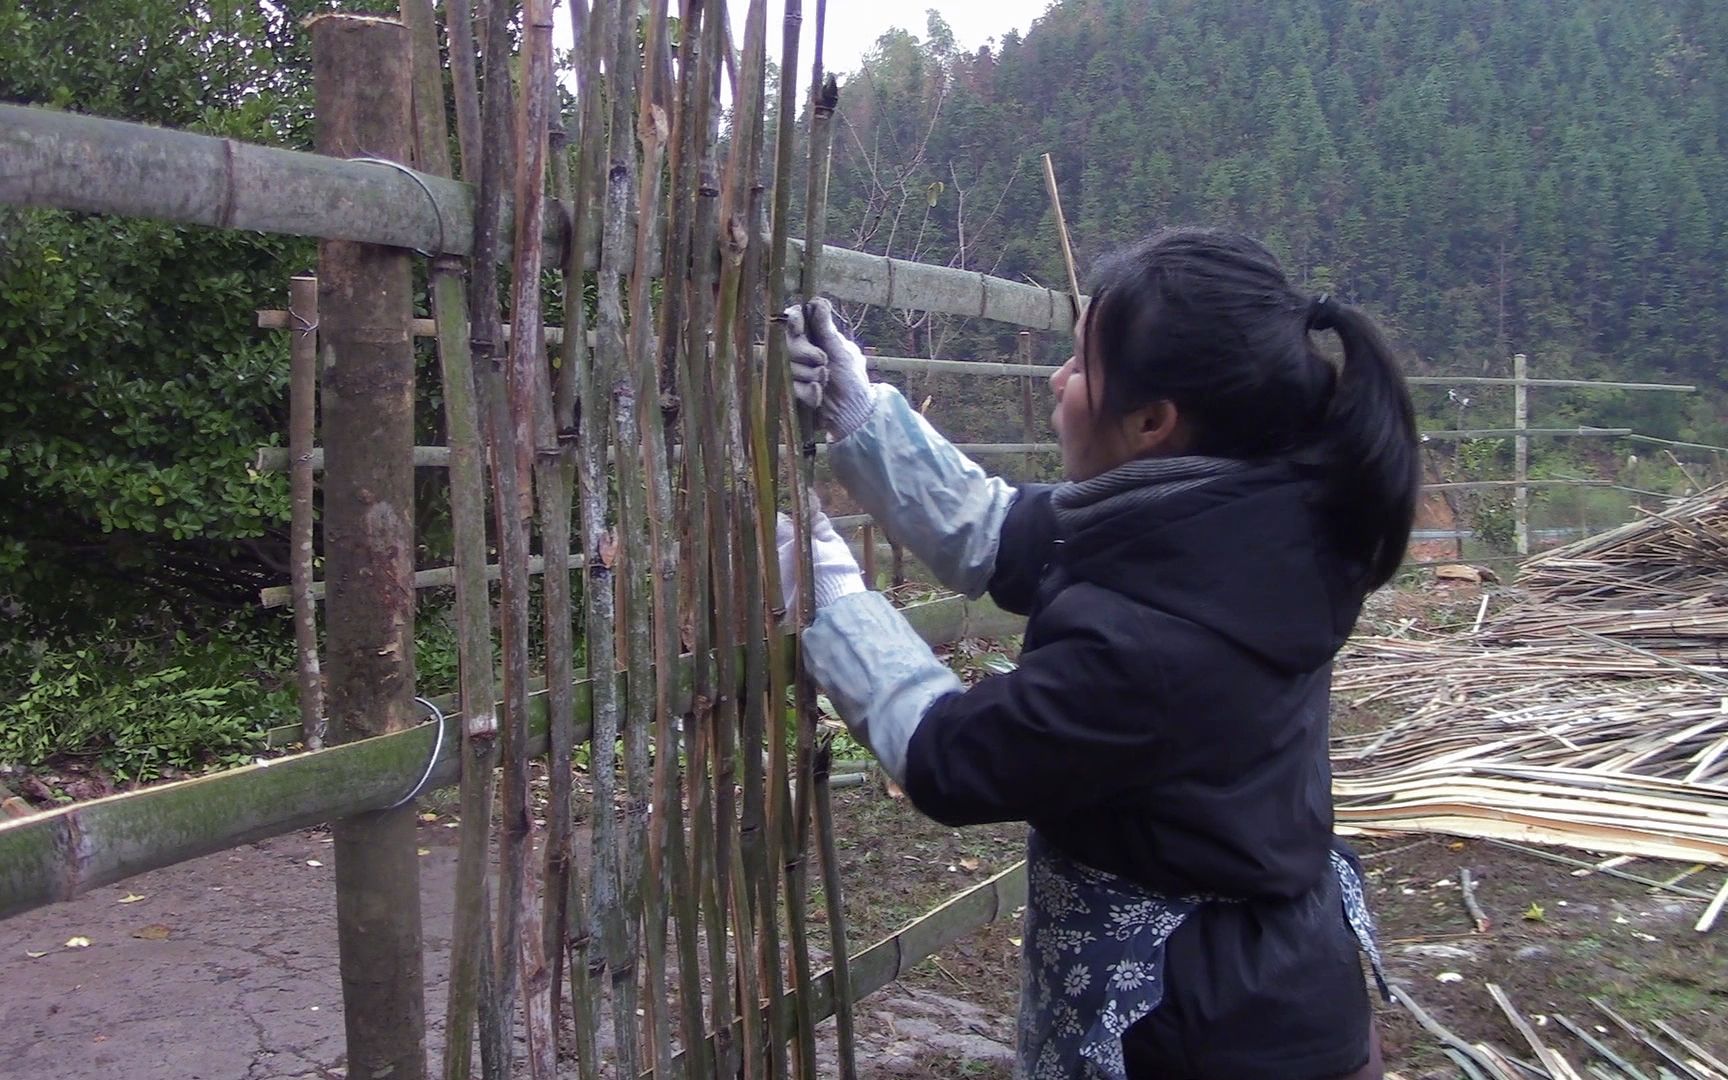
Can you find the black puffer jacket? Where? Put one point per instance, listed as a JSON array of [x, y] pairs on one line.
[[1168, 723]]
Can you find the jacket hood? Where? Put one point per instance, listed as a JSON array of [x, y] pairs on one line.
[[1247, 556]]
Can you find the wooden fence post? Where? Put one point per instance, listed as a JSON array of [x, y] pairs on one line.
[[1521, 452], [360, 78], [1026, 476], [302, 414]]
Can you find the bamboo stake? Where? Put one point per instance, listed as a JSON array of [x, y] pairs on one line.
[[486, 340], [1713, 911], [812, 787], [568, 915], [751, 469], [1062, 233], [671, 794], [715, 843], [527, 379], [1601, 1048], [472, 924], [361, 83], [648, 552], [302, 416], [832, 893], [624, 917]]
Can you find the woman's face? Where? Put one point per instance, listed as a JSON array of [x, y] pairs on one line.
[[1094, 442]]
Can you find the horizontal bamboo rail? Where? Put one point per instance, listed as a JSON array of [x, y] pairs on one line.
[[277, 319], [891, 958], [1508, 433], [72, 162], [277, 459], [1471, 485], [438, 577], [62, 853]]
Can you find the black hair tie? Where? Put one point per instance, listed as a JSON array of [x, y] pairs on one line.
[[1321, 313]]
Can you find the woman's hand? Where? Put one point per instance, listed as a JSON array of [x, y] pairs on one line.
[[828, 370], [834, 569]]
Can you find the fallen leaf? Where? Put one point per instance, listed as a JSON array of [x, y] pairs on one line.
[[153, 932], [423, 851], [35, 955], [968, 864], [1534, 913], [1448, 977], [428, 816], [130, 898], [78, 943], [1014, 941], [313, 862], [1456, 845]]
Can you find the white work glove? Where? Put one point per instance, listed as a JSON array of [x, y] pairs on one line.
[[828, 370], [833, 568]]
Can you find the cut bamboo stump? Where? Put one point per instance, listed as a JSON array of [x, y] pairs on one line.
[[361, 81]]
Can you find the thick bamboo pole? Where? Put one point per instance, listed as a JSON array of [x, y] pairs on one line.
[[471, 930], [73, 162], [302, 418], [362, 89]]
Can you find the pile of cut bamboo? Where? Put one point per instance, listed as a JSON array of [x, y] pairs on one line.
[[1593, 714]]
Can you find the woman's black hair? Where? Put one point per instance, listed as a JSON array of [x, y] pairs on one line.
[[1207, 320]]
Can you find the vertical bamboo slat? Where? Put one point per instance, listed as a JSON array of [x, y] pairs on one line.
[[824, 93], [472, 925], [531, 422], [486, 338], [622, 913], [362, 90], [576, 923], [302, 420]]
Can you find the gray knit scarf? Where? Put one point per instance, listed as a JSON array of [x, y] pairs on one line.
[[1132, 485]]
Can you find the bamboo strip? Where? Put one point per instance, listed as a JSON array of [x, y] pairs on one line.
[[1601, 1048]]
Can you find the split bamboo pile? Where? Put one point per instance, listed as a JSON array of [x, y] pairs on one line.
[[1592, 714]]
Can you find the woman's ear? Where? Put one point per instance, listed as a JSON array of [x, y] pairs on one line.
[[1156, 430]]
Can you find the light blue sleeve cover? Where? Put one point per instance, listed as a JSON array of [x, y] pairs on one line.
[[926, 494], [878, 672]]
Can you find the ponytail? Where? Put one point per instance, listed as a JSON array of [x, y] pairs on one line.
[[1208, 320], [1369, 445]]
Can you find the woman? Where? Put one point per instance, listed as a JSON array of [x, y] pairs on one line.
[[1231, 498]]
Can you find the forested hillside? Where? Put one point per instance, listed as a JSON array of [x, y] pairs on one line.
[[1490, 176]]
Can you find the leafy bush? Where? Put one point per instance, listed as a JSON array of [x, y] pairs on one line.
[[138, 712]]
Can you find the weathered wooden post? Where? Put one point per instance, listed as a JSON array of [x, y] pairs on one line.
[[360, 78]]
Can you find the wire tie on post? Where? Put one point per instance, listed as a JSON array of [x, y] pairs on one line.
[[432, 762], [437, 212]]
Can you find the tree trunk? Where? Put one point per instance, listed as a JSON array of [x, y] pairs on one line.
[[361, 82]]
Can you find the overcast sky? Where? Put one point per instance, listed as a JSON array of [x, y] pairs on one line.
[[854, 25]]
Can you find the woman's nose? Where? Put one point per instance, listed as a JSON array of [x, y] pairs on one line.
[[1060, 376]]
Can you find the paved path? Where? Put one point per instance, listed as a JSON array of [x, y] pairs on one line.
[[226, 970]]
